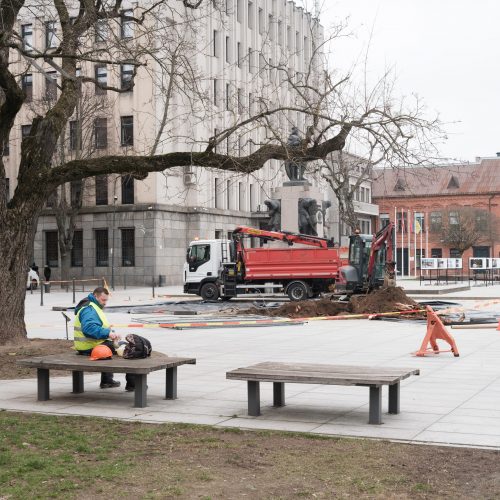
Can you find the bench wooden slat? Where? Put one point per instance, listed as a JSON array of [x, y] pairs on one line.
[[73, 361], [342, 369]]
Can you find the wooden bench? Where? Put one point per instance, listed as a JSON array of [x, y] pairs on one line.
[[279, 373], [79, 364]]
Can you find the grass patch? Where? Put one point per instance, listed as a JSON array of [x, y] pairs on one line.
[[82, 457]]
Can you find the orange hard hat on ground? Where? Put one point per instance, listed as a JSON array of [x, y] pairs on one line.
[[101, 352]]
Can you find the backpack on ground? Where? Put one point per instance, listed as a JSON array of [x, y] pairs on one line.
[[137, 347]]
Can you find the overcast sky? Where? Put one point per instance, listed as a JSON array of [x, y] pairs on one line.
[[446, 51]]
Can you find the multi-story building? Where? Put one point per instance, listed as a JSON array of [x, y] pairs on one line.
[[438, 209], [235, 61]]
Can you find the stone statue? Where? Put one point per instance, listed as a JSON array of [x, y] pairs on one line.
[[308, 220], [294, 170], [274, 207]]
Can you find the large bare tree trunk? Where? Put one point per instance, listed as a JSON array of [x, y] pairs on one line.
[[16, 241]]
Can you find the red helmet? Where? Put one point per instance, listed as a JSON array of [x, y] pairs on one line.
[[101, 352]]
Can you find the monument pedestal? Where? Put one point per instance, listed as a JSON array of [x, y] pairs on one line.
[[290, 194]]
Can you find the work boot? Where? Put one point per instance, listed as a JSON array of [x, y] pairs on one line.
[[130, 388], [110, 384]]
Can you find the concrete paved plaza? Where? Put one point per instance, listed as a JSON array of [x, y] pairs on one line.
[[454, 400]]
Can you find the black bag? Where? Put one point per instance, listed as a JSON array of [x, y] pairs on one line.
[[137, 347]]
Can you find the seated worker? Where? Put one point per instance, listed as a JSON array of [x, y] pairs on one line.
[[91, 329]]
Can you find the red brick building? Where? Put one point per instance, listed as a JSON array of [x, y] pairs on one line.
[[425, 201]]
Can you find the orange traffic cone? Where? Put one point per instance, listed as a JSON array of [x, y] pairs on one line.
[[436, 330]]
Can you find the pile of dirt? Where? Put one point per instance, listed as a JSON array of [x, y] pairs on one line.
[[304, 309], [382, 300], [9, 355]]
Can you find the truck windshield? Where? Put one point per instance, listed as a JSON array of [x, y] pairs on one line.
[[198, 254]]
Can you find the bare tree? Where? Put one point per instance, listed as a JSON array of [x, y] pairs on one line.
[[329, 110], [465, 227]]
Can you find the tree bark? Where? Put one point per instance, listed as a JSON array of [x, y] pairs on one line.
[[16, 242]]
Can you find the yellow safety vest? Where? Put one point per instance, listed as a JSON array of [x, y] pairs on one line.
[[81, 342]]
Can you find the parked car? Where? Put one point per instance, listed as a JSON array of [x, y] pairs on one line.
[[33, 280]]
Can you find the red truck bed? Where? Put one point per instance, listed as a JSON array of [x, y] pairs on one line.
[[280, 263]]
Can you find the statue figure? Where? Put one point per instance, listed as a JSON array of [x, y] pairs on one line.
[[308, 220], [294, 170], [274, 207]]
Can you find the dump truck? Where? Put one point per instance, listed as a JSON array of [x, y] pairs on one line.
[[302, 269]]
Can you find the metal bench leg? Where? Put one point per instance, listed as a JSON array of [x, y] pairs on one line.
[[171, 383], [43, 384], [253, 398], [77, 382], [375, 405], [394, 398], [279, 393], [141, 390]]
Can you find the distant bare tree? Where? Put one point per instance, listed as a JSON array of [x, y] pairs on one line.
[[465, 227]]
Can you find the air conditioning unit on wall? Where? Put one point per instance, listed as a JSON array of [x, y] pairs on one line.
[[189, 178]]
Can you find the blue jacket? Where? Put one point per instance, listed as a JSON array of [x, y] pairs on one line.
[[91, 323]]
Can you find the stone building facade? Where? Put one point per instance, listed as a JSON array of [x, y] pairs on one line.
[[139, 230]]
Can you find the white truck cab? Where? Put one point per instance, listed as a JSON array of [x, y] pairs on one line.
[[201, 268]]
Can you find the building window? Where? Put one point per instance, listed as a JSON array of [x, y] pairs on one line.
[[228, 195], [238, 50], [27, 36], [436, 221], [455, 253], [419, 222], [75, 135], [218, 234], [52, 248], [127, 24], [252, 198], [384, 220], [436, 253], [77, 249], [453, 218], [50, 35], [27, 86], [127, 130], [51, 85], [482, 221], [216, 91], [228, 104], [250, 65], [262, 27], [101, 189], [25, 131], [76, 194], [101, 79], [127, 190], [402, 222], [101, 30], [217, 193], [228, 49], [101, 248], [101, 133], [128, 247], [126, 76], [215, 44]]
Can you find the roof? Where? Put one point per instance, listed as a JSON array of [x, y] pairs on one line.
[[463, 179]]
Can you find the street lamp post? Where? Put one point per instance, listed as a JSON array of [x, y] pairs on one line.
[[113, 244]]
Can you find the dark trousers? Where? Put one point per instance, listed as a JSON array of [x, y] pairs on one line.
[[107, 377]]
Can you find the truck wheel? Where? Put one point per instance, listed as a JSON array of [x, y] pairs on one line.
[[209, 292], [297, 291]]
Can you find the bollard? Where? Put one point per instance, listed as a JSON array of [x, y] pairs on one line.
[[153, 286], [42, 284], [124, 281], [74, 290]]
